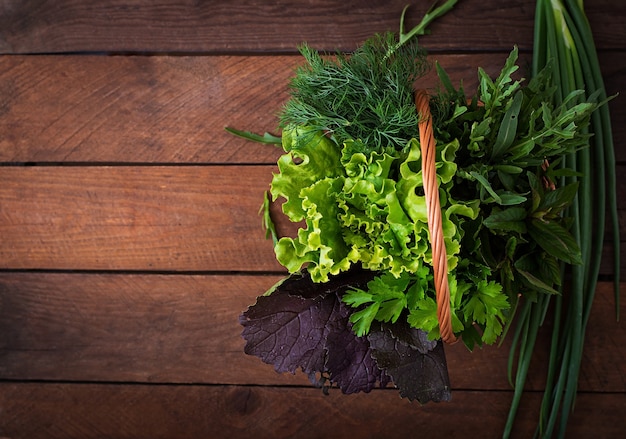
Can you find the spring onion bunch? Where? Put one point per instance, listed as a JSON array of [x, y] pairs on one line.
[[564, 40]]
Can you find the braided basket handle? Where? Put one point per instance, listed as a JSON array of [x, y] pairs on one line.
[[433, 208]]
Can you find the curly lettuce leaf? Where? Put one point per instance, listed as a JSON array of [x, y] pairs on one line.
[[311, 156], [320, 245], [373, 219]]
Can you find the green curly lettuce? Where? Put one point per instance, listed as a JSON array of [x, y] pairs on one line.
[[310, 157], [361, 207]]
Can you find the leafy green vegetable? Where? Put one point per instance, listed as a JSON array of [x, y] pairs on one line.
[[386, 300], [268, 224], [352, 174], [509, 219], [513, 170], [364, 96], [486, 307], [508, 127], [555, 240], [362, 199]]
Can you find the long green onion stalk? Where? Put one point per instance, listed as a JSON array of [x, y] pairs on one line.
[[563, 39]]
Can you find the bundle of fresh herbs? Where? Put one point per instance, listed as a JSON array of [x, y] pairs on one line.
[[564, 40], [359, 307]]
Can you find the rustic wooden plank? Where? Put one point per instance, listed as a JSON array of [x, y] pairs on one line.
[[130, 328], [152, 109], [184, 329], [138, 109], [174, 109], [134, 218], [246, 26], [160, 330], [183, 218], [92, 411]]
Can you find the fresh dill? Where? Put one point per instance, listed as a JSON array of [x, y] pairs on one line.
[[366, 95]]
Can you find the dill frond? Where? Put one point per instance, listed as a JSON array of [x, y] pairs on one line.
[[366, 95]]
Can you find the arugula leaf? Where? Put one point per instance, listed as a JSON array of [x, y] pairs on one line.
[[555, 240], [508, 127], [444, 78], [493, 93], [479, 133], [510, 219]]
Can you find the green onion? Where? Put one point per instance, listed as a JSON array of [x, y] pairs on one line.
[[563, 38]]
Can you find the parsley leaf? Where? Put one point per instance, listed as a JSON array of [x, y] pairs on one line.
[[486, 307], [385, 299]]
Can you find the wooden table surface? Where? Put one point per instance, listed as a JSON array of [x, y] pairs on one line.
[[130, 240]]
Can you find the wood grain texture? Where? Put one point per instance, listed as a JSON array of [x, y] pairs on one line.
[[152, 218], [37, 26], [134, 218], [130, 240], [86, 411], [86, 109], [184, 329], [138, 109]]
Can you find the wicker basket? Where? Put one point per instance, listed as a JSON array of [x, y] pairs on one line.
[[433, 208]]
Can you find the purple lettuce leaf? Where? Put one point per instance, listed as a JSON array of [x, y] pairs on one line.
[[416, 365], [287, 330], [350, 363], [305, 325]]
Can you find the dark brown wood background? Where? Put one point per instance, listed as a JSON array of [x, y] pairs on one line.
[[129, 234]]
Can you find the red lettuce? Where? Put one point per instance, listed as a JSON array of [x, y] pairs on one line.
[[305, 325]]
